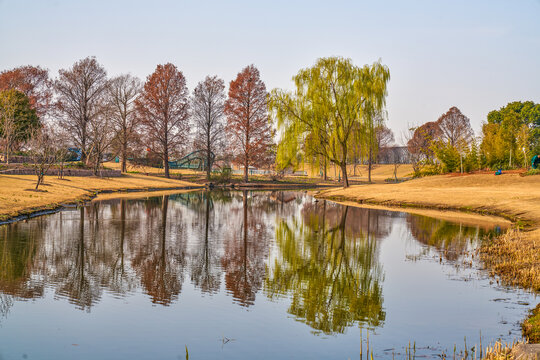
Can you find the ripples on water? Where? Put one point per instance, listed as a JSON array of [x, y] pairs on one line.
[[243, 275]]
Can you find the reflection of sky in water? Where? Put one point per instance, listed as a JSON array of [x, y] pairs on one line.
[[297, 282]]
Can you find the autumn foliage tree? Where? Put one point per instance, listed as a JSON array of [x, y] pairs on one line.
[[163, 107], [455, 128], [32, 81], [445, 142], [247, 119], [419, 144]]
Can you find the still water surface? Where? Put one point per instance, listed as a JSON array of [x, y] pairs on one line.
[[244, 275]]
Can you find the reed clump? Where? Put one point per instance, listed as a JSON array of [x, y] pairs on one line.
[[499, 351], [515, 258]]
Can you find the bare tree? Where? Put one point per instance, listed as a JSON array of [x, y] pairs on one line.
[[384, 137], [399, 156], [123, 91], [80, 91], [455, 128], [208, 106], [100, 136], [61, 141], [414, 155], [163, 107], [42, 152]]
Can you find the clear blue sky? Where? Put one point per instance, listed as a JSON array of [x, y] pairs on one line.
[[476, 55]]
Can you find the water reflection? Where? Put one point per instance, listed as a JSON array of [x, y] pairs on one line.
[[449, 239], [320, 257], [246, 248], [329, 268]]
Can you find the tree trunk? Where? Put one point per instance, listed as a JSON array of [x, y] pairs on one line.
[[343, 166], [39, 179], [166, 163], [124, 156], [7, 153], [369, 164], [208, 166], [246, 165], [83, 147]]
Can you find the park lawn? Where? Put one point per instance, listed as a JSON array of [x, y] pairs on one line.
[[509, 195], [379, 173], [131, 168], [17, 195]]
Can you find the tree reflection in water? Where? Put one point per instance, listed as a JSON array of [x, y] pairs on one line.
[[205, 260], [160, 259], [329, 269], [246, 248], [325, 256], [451, 240]]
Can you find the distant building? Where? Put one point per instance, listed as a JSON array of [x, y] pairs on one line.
[[394, 155]]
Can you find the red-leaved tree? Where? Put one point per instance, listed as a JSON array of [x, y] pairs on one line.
[[163, 109], [247, 119], [32, 81]]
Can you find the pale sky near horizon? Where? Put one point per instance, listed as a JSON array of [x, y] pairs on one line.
[[476, 55]]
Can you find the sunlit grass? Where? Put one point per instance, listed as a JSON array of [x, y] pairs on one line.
[[17, 195]]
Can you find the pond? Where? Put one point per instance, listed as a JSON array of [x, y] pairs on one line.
[[245, 275]]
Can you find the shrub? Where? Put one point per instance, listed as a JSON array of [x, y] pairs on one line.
[[224, 176], [429, 170], [532, 172], [448, 156]]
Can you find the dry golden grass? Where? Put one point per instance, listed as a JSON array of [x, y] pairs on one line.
[[515, 259], [148, 169], [512, 196], [17, 195], [465, 218], [379, 173], [499, 351]]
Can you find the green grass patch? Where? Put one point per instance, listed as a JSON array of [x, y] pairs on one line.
[[531, 326]]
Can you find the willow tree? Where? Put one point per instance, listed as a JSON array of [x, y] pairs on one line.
[[331, 99]]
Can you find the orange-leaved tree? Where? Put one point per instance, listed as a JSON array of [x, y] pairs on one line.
[[33, 82], [163, 107], [247, 119]]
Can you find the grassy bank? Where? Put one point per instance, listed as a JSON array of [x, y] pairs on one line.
[[18, 197], [357, 174], [513, 257]]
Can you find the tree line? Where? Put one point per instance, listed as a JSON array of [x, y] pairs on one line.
[[156, 119], [510, 138], [335, 114]]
